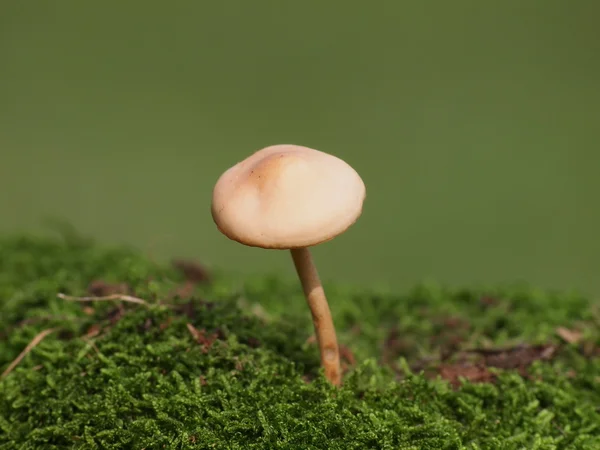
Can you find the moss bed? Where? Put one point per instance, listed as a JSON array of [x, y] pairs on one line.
[[221, 363]]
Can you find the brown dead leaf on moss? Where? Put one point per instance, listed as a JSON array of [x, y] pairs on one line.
[[474, 365]]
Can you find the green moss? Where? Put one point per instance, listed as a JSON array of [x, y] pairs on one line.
[[144, 382]]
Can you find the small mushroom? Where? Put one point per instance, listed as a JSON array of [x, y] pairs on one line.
[[289, 197]]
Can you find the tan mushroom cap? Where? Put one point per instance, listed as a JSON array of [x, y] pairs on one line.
[[287, 196]]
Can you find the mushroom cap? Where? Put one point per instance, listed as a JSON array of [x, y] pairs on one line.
[[287, 196]]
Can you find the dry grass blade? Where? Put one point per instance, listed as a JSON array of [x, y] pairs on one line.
[[568, 335], [121, 297], [35, 341]]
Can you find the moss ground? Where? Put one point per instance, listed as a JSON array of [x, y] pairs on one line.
[[224, 364]]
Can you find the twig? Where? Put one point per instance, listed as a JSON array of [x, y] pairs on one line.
[[35, 341], [122, 297]]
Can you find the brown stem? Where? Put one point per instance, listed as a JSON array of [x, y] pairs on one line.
[[317, 302]]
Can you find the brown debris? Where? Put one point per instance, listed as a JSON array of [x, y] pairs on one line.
[[194, 274], [187, 309], [220, 334], [477, 370], [394, 346], [206, 341], [65, 335], [207, 305], [569, 336], [474, 365], [193, 271], [164, 325], [478, 373], [308, 378], [488, 302], [183, 291], [519, 357], [147, 325], [450, 346], [347, 355], [92, 331], [455, 322], [347, 358], [115, 314], [253, 342]]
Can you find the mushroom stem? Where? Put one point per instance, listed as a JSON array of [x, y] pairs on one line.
[[323, 323]]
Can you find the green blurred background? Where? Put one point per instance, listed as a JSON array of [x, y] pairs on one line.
[[475, 125]]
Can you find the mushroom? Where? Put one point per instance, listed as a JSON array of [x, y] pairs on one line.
[[290, 197]]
